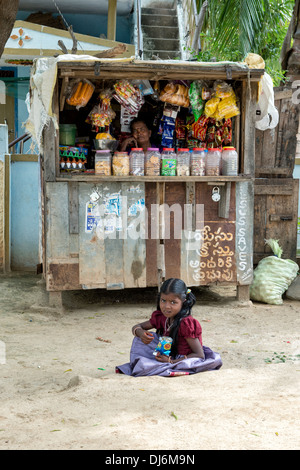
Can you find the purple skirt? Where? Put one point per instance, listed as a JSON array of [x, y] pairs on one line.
[[143, 362]]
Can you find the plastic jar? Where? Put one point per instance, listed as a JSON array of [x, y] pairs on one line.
[[213, 161], [168, 164], [136, 162], [183, 162], [229, 161], [120, 164], [67, 134], [152, 162], [198, 158], [103, 163]]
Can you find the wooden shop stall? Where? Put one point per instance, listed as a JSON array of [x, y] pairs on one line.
[[108, 231]]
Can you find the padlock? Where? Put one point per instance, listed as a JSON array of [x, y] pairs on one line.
[[216, 194]]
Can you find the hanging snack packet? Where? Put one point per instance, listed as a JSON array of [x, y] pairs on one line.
[[223, 90], [180, 128], [211, 131], [227, 132], [144, 86], [196, 101], [80, 94], [128, 96], [168, 128], [227, 108], [199, 128], [211, 106], [206, 92]]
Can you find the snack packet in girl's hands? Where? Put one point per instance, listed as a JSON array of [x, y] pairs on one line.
[[164, 345]]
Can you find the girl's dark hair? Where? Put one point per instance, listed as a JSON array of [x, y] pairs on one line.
[[177, 287]]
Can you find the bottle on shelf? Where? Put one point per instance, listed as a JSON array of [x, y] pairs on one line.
[[229, 161]]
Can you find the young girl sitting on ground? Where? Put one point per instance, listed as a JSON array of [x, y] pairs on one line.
[[172, 319]]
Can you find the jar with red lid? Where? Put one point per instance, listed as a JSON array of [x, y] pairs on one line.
[[198, 158], [152, 162], [169, 161], [183, 162], [213, 161]]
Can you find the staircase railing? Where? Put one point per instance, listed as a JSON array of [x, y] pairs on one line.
[[22, 139]]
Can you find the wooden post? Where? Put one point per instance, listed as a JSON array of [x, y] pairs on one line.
[[112, 20], [245, 195]]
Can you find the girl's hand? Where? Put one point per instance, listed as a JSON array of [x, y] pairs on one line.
[[162, 358], [145, 336]]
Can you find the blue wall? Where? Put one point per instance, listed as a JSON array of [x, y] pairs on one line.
[[94, 25], [24, 215]]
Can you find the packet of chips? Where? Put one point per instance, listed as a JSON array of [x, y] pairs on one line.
[[227, 108], [222, 90], [211, 106], [196, 101], [164, 345]]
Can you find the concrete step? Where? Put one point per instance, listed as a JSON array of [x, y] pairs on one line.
[[164, 55], [160, 31], [157, 19], [158, 4], [160, 44], [159, 11]]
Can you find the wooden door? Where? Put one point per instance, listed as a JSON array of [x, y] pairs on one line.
[[275, 215]]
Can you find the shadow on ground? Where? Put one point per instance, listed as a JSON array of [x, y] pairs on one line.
[[28, 290]]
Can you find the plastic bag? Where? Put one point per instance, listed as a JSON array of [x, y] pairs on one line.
[[196, 100], [144, 86], [268, 114], [272, 276], [128, 95], [175, 94], [223, 90], [227, 108], [80, 93], [211, 106], [199, 128], [254, 61]]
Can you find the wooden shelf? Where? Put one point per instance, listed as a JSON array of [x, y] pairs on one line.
[[152, 179]]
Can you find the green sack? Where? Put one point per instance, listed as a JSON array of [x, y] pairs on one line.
[[272, 276]]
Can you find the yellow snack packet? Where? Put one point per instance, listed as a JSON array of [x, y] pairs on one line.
[[211, 106]]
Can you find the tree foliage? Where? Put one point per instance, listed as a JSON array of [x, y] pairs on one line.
[[232, 28]]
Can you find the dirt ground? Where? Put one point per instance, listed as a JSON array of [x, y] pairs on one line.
[[59, 390]]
